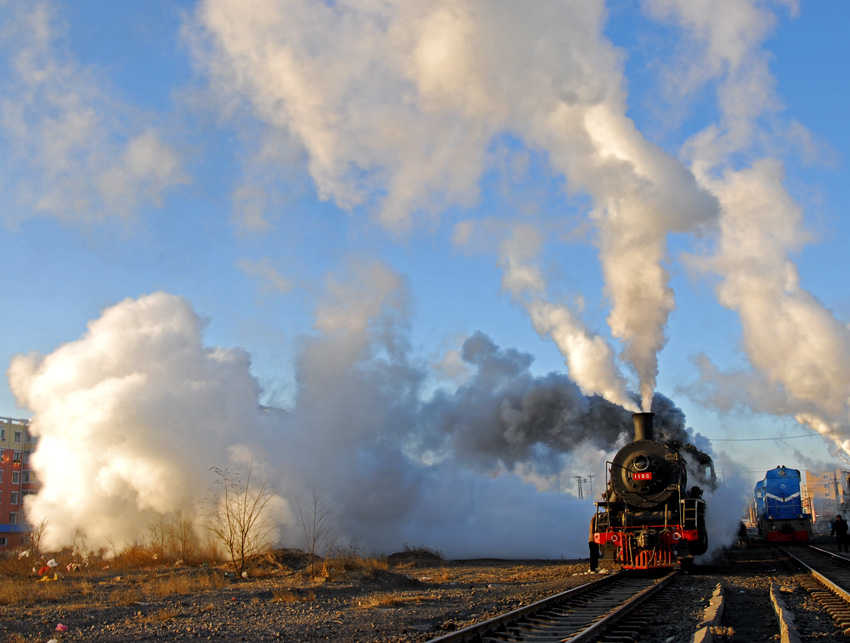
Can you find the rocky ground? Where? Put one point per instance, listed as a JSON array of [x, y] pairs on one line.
[[409, 597]]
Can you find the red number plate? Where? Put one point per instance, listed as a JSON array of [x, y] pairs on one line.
[[645, 475]]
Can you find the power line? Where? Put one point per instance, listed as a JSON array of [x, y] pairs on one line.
[[787, 437]]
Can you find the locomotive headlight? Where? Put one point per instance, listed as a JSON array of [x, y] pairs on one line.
[[641, 463]]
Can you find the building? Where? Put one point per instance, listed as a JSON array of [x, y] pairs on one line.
[[826, 494], [17, 480]]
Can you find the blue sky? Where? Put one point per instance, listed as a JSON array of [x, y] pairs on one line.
[[503, 167]]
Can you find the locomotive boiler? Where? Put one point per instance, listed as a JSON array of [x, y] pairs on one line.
[[651, 516]]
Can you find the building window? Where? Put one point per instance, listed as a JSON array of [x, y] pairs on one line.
[[16, 477], [826, 476], [15, 498], [19, 436], [28, 477], [13, 517], [2, 434], [2, 541], [826, 494], [1, 476], [16, 456], [26, 456]]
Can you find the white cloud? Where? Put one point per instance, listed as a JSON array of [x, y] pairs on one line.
[[72, 151]]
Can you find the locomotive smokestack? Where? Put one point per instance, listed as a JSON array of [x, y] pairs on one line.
[[644, 429]]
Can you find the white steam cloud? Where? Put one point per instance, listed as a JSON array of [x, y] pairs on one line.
[[403, 99], [131, 417], [799, 351], [399, 105]]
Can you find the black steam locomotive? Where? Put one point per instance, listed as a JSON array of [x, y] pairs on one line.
[[650, 517]]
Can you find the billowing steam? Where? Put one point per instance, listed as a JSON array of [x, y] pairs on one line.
[[131, 417], [399, 110], [404, 99], [799, 350]]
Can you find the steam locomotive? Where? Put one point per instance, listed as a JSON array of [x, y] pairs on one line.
[[779, 507], [649, 517]]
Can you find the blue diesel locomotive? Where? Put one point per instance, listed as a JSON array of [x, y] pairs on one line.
[[779, 505]]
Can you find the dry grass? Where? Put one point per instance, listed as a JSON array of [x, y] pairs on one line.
[[165, 614], [14, 567], [438, 576], [125, 596], [389, 600], [18, 638], [130, 590], [282, 595], [175, 583], [355, 563], [19, 591]]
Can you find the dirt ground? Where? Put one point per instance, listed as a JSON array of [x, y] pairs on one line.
[[407, 597]]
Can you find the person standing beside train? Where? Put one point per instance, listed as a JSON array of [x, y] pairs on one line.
[[839, 530]]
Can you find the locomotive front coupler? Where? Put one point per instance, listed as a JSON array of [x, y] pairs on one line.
[[647, 538]]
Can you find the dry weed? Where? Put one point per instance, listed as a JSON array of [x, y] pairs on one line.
[[125, 596], [178, 584], [19, 638], [289, 596], [388, 600], [15, 592], [441, 576], [165, 614]]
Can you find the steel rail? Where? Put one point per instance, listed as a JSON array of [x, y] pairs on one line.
[[496, 627], [830, 584]]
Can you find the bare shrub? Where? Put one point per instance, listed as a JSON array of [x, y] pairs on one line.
[[173, 537], [422, 551], [315, 517], [37, 534], [240, 518], [136, 556], [183, 541]]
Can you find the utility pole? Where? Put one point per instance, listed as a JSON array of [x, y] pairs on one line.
[[590, 479], [579, 479]]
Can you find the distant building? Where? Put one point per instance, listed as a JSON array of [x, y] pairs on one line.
[[826, 494], [17, 480]]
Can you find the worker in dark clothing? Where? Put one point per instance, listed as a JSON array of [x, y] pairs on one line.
[[743, 538], [839, 530], [592, 546]]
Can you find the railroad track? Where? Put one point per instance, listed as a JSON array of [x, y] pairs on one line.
[[575, 616], [829, 581]]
